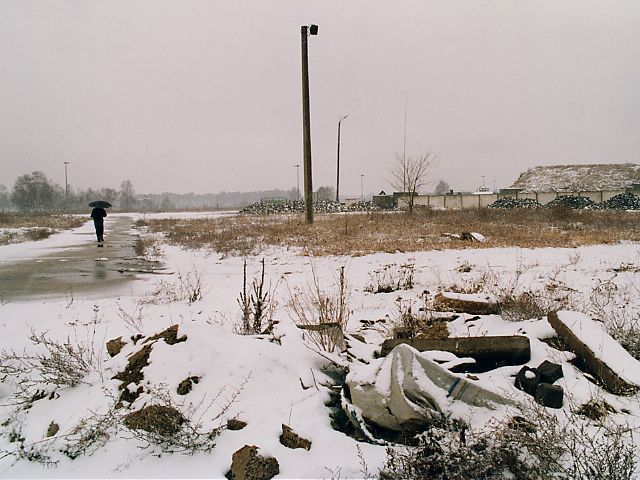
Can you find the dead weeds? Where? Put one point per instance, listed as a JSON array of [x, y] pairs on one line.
[[361, 234], [35, 226]]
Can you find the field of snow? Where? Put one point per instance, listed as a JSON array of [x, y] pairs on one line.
[[278, 378]]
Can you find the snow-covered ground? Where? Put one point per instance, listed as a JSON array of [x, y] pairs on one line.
[[270, 380]]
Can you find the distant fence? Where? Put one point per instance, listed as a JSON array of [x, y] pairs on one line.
[[468, 200]]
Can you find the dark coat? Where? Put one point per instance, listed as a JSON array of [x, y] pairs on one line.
[[98, 214]]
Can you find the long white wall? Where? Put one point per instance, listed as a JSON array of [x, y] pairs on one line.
[[467, 200]]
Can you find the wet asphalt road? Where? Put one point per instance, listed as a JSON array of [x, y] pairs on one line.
[[79, 269]]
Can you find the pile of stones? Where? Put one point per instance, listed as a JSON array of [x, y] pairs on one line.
[[510, 203], [571, 201], [623, 201], [297, 206]]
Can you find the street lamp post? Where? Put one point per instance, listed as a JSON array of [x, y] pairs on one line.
[[361, 187], [305, 31], [66, 186], [338, 160], [297, 181]]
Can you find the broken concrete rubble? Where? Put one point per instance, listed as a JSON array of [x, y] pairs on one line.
[[598, 353], [407, 389], [460, 303], [537, 382], [549, 395], [497, 350]]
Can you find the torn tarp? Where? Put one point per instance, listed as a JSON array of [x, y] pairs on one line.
[[406, 388]]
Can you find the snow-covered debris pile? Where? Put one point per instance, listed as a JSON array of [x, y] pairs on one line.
[[362, 206], [510, 203], [578, 178], [571, 201], [289, 206], [297, 206], [623, 201]]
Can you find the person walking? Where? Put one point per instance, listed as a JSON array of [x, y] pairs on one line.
[[98, 214]]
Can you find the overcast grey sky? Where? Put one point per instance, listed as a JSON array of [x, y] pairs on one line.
[[205, 96]]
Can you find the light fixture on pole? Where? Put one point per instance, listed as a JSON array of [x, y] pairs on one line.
[[338, 159], [361, 187], [305, 31], [297, 167]]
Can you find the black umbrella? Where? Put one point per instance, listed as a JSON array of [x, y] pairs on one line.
[[99, 204]]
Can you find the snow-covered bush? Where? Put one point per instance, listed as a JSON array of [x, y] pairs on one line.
[[257, 306], [316, 306], [390, 278]]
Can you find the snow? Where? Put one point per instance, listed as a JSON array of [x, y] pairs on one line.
[[285, 382]]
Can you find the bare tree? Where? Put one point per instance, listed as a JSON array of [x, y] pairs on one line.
[[411, 174]]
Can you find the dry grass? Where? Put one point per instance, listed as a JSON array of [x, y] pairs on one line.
[[34, 227], [360, 234], [37, 220]]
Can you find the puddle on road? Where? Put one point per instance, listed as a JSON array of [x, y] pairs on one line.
[[78, 269]]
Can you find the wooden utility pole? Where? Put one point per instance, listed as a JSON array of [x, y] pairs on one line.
[[338, 160], [306, 122]]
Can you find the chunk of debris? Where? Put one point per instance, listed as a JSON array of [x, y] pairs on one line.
[[53, 429], [527, 380], [290, 439], [170, 336], [159, 419], [235, 424], [537, 382], [463, 303], [499, 350], [133, 371], [140, 359], [407, 389], [550, 372], [247, 464], [598, 353], [186, 385], [549, 395], [114, 346]]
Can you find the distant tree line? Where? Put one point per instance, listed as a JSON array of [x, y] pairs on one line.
[[34, 192]]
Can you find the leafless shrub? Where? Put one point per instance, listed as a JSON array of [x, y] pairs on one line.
[[473, 285], [627, 332], [575, 448], [257, 306], [414, 320], [92, 432], [390, 278], [147, 246], [35, 234], [37, 452], [176, 428], [537, 446], [523, 305], [314, 306], [187, 288], [58, 364], [444, 454], [607, 303], [133, 320]]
